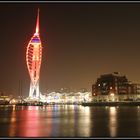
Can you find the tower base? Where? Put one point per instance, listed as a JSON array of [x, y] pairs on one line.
[[34, 91]]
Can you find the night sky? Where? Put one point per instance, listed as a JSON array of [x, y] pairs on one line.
[[80, 42]]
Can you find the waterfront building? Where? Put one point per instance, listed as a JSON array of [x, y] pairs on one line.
[[114, 84], [68, 98], [4, 99], [33, 60], [134, 88]]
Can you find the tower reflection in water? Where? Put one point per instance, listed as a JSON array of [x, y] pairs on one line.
[[28, 122]]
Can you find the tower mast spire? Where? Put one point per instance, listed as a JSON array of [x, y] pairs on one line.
[[37, 24]]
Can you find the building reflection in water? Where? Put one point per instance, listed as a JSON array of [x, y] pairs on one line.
[[66, 124], [84, 122], [71, 121], [113, 121], [12, 126], [49, 115]]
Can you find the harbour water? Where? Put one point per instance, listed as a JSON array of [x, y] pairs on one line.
[[69, 121]]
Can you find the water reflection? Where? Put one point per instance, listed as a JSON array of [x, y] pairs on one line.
[[30, 122], [12, 126], [113, 121], [84, 122], [74, 121], [69, 121]]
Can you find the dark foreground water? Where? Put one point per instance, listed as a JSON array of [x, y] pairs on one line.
[[69, 121]]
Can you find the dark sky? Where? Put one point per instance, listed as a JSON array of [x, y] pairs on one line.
[[80, 42]]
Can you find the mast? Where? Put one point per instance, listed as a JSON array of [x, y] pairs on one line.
[[37, 24]]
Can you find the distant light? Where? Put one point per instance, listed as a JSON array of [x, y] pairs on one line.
[[112, 94]]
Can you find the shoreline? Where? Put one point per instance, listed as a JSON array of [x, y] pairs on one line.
[[122, 103], [118, 103]]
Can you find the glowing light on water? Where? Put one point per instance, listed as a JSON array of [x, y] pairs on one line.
[[113, 121], [85, 121]]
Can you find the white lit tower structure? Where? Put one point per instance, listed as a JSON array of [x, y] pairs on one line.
[[33, 60]]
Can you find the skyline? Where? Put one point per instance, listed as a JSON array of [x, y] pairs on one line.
[[80, 42]]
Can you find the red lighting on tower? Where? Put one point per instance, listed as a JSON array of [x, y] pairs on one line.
[[33, 60]]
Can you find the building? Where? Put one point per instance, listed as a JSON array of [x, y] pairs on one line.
[[33, 59], [114, 84], [134, 88]]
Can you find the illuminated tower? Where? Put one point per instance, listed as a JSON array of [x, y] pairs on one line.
[[33, 60]]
